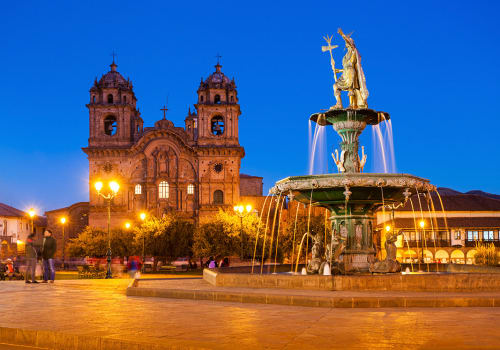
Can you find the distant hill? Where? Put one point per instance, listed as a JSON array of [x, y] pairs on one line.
[[444, 191], [484, 194]]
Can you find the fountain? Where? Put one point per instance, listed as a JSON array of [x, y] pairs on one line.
[[351, 196]]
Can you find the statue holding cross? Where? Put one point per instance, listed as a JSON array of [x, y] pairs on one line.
[[352, 78]]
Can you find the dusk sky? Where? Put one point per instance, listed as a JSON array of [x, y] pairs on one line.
[[432, 65]]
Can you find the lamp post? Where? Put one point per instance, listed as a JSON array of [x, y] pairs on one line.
[[242, 211], [142, 216], [32, 214], [63, 222], [114, 187]]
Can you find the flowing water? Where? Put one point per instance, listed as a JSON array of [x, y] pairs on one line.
[[278, 234], [416, 232], [272, 230], [258, 231], [294, 232], [298, 253], [433, 220], [424, 238], [318, 160], [265, 234], [383, 157]]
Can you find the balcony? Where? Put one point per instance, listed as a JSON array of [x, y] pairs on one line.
[[428, 242]]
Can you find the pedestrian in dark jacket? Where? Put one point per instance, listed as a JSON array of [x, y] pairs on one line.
[[31, 257], [49, 247]]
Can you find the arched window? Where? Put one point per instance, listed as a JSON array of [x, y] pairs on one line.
[[110, 98], [110, 125], [218, 197], [190, 189], [124, 99], [217, 125], [93, 99], [138, 189], [201, 98], [232, 98], [217, 99], [163, 190]]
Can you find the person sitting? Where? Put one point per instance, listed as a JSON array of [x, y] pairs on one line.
[[10, 270]]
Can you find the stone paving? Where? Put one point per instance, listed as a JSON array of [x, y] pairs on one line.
[[99, 308]]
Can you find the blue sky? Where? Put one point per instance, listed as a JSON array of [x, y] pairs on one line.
[[431, 65]]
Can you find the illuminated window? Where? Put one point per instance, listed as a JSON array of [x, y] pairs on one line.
[[218, 197], [472, 235], [163, 190], [457, 235], [138, 189], [190, 189], [487, 235]]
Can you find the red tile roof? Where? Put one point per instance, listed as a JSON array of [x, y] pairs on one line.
[[7, 210], [459, 202]]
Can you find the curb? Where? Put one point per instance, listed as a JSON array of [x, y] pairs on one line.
[[64, 341], [316, 301]]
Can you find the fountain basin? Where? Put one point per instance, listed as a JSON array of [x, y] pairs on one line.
[[352, 199], [416, 282], [328, 190]]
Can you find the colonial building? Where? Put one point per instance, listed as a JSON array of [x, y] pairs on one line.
[[192, 170], [76, 218], [15, 226], [433, 235]]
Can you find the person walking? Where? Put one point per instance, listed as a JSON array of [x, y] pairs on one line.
[[49, 247], [31, 257]]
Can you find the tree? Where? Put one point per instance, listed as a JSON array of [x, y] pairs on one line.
[[94, 242], [226, 234], [167, 238]]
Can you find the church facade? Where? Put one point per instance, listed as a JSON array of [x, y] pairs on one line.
[[192, 170]]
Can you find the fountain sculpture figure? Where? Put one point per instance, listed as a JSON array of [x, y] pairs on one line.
[[352, 197]]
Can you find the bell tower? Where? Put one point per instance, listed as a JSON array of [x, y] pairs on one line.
[[113, 117], [218, 110], [215, 130]]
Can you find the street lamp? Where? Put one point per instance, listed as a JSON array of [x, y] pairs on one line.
[[142, 216], [32, 214], [63, 222], [242, 211], [127, 225], [114, 187]]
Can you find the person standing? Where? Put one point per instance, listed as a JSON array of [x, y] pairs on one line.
[[49, 247], [31, 257]]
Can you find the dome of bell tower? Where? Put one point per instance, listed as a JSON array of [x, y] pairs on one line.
[[217, 80], [113, 80]]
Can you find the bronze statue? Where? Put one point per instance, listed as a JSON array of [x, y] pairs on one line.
[[389, 264], [352, 78]]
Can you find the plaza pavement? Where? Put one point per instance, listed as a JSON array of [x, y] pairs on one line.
[[96, 314]]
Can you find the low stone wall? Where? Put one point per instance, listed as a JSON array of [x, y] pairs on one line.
[[432, 282], [472, 268]]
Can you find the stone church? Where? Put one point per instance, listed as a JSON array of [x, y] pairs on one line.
[[192, 170]]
